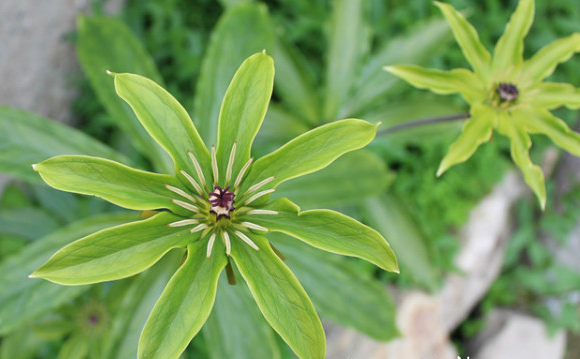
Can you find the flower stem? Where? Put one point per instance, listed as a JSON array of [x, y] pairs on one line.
[[424, 121]]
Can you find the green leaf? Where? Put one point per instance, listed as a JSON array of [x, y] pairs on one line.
[[243, 110], [26, 139], [552, 95], [311, 151], [279, 127], [388, 215], [544, 62], [118, 184], [106, 44], [281, 298], [164, 119], [467, 38], [476, 131], [348, 43], [543, 122], [350, 179], [509, 50], [23, 344], [24, 299], [115, 253], [417, 47], [338, 291], [236, 329], [75, 347], [226, 51], [184, 305], [330, 231], [460, 81], [520, 146], [28, 222]]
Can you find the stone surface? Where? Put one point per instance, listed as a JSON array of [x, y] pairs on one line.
[[510, 335]]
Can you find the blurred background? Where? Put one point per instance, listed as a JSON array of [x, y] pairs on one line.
[[485, 273]]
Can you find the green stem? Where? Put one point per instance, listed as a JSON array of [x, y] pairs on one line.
[[421, 122]]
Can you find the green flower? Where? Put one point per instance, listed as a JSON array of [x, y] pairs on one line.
[[505, 92], [217, 206]]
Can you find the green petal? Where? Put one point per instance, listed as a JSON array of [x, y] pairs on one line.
[[112, 181], [165, 120], [243, 110], [330, 231], [311, 151], [520, 146], [281, 298], [460, 81], [184, 305], [552, 95], [543, 122], [509, 50], [114, 253], [544, 62], [468, 40], [476, 130]]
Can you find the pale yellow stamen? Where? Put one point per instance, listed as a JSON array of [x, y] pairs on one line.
[[254, 226], [227, 242], [231, 164], [214, 167], [192, 181], [210, 244], [260, 184], [184, 222], [186, 205], [197, 169], [242, 173], [198, 228], [261, 211], [258, 195], [245, 238], [181, 193]]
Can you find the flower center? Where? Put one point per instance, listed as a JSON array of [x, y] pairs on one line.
[[222, 202], [507, 92]]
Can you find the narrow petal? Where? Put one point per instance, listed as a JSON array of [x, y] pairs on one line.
[[184, 305], [459, 81], [114, 253], [476, 131], [330, 231], [544, 62], [509, 50], [468, 40], [281, 298], [520, 146], [551, 95], [243, 109], [112, 181]]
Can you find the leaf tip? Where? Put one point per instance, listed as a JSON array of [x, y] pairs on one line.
[[34, 167], [110, 73], [264, 51]]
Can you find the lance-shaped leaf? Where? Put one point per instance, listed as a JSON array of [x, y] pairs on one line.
[[243, 109], [114, 182], [509, 50], [460, 81], [311, 151], [544, 62], [552, 95], [75, 347], [164, 119], [26, 138], [281, 298], [107, 44], [543, 122], [339, 292], [468, 40], [331, 231], [114, 253], [520, 146], [476, 130], [183, 306]]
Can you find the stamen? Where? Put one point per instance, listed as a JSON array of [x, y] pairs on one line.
[[262, 211], [186, 205], [197, 169], [210, 244], [214, 166], [260, 184], [231, 164], [254, 226], [245, 238], [180, 192], [258, 195], [242, 173], [192, 181], [227, 242], [198, 228], [182, 223]]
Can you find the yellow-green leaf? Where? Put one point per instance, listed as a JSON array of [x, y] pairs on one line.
[[509, 50], [544, 62]]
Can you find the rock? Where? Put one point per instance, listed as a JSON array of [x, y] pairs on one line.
[[510, 335]]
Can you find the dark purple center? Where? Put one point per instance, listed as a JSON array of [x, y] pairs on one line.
[[222, 202], [507, 92], [93, 319]]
